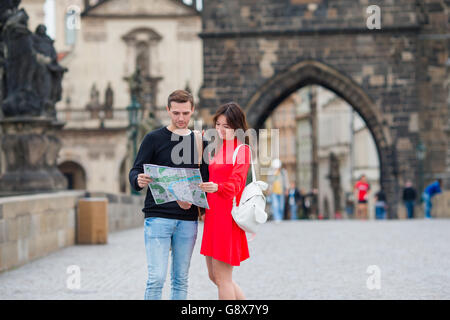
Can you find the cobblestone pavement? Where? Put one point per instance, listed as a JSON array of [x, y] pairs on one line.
[[290, 260]]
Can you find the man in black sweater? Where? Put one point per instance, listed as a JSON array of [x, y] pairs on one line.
[[171, 225]]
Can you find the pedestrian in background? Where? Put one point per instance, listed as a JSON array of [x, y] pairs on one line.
[[362, 189], [430, 191], [349, 205], [293, 200], [380, 205], [409, 198], [279, 185], [304, 203], [308, 200]]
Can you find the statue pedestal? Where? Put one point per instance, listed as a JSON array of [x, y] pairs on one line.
[[30, 147]]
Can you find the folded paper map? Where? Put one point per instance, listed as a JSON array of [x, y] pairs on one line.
[[171, 184]]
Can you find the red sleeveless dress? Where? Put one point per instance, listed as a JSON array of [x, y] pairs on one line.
[[222, 238]]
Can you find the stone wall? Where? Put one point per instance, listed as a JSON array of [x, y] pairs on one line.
[[33, 226], [36, 225]]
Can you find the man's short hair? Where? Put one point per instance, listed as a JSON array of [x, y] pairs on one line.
[[180, 96]]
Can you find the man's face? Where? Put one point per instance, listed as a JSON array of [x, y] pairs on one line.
[[180, 113]]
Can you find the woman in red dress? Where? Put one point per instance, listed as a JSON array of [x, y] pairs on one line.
[[225, 244]]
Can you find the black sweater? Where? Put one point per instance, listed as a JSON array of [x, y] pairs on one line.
[[156, 148], [409, 194]]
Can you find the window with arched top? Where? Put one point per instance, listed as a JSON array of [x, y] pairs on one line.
[[72, 24], [143, 57], [142, 50]]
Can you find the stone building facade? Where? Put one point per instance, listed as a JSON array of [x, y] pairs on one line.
[[395, 77], [102, 42]]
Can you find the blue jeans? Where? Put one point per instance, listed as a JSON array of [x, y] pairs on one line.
[[277, 206], [294, 208], [410, 208], [161, 235], [428, 204], [380, 213]]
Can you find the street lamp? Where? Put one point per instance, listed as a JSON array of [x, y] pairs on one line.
[[421, 151], [133, 111], [420, 154]]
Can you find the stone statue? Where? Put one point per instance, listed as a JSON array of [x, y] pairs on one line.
[[32, 74], [20, 66], [49, 71], [188, 87], [94, 102], [109, 97], [30, 86], [7, 8], [142, 58], [109, 102], [4, 12], [135, 83]]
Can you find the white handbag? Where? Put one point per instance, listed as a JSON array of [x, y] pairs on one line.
[[251, 210]]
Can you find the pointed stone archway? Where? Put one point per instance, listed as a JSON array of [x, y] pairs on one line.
[[265, 100]]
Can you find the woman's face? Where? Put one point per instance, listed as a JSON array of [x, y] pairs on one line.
[[224, 130]]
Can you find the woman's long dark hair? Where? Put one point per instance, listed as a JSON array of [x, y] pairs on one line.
[[236, 119]]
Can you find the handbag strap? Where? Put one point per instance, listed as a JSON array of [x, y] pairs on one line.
[[253, 175], [199, 141], [251, 162]]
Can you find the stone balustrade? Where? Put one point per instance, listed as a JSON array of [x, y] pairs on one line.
[[33, 226]]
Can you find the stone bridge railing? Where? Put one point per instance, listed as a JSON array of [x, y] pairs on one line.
[[33, 226]]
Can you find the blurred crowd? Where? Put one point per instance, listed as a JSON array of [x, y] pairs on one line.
[[287, 202]]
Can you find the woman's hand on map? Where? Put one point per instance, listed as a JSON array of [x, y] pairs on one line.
[[209, 187], [184, 204], [143, 180]]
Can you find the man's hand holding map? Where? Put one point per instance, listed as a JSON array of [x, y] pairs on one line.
[[172, 184]]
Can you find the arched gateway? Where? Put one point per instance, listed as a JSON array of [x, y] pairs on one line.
[[266, 99]]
